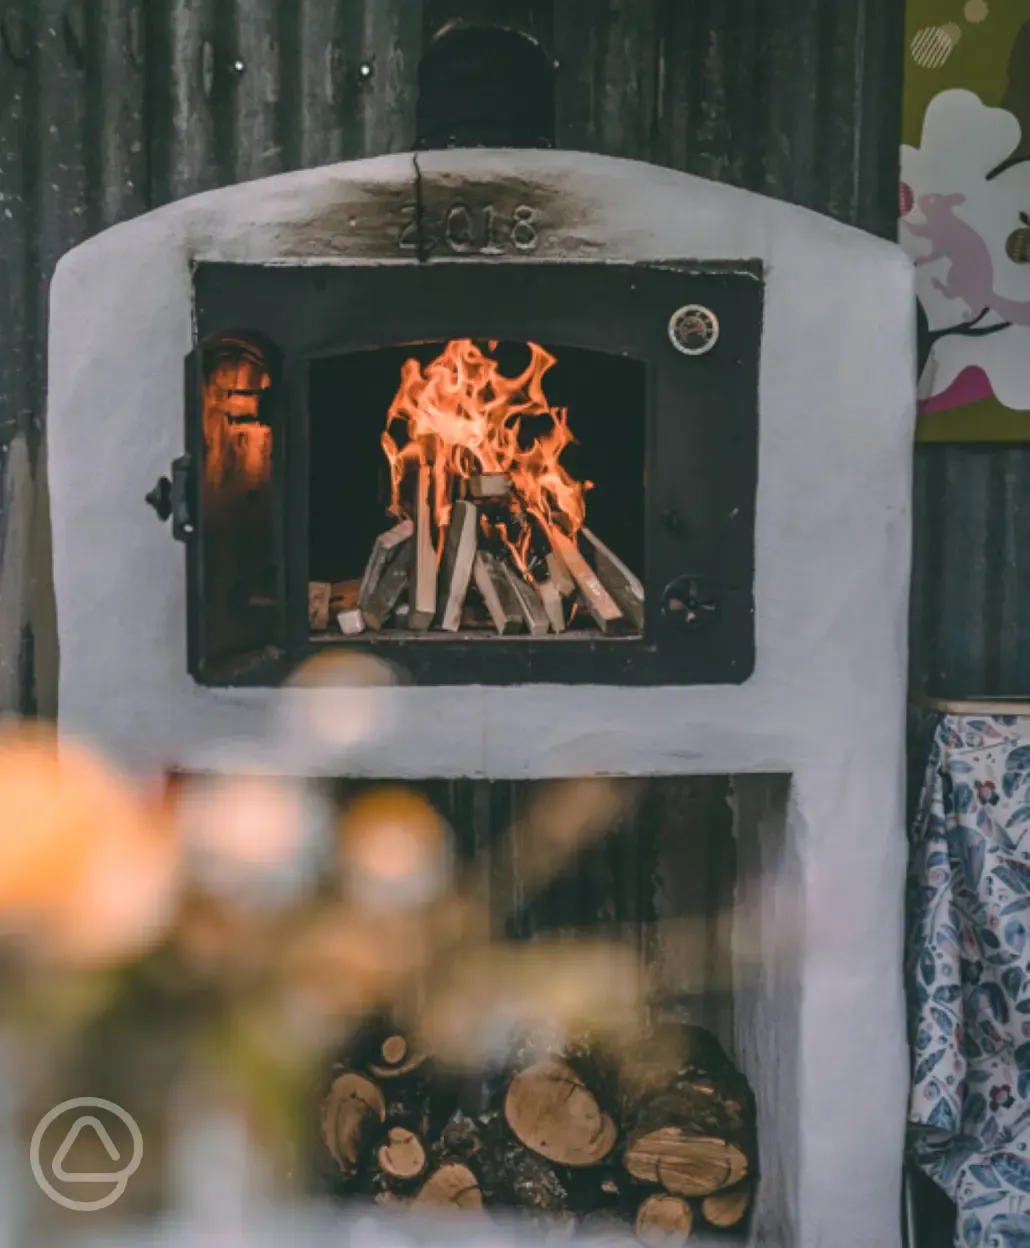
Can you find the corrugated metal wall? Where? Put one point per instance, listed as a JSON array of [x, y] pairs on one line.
[[970, 629], [111, 107]]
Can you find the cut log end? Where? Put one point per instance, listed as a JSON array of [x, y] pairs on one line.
[[402, 1156], [726, 1209], [552, 1111], [452, 1186], [685, 1164], [353, 1107], [664, 1221], [394, 1050]]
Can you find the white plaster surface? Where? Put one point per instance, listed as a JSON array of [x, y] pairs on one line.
[[825, 704]]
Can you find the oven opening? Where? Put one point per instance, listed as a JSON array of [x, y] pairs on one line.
[[476, 490]]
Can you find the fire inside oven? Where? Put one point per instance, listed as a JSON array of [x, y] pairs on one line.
[[474, 489], [479, 473]]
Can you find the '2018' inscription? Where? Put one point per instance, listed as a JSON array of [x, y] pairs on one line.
[[467, 230]]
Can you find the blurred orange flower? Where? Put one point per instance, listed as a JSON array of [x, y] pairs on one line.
[[394, 848], [88, 869]]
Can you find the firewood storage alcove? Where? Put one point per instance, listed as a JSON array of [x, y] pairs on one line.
[[661, 1143], [477, 471]]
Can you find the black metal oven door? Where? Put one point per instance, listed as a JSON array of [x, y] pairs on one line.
[[225, 500]]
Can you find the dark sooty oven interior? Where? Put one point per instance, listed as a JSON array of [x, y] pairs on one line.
[[548, 488]]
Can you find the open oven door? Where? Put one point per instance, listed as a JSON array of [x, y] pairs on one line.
[[224, 499]]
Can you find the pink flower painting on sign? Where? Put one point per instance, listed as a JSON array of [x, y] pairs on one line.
[[965, 221]]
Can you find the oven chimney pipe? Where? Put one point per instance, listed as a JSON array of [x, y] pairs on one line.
[[485, 86]]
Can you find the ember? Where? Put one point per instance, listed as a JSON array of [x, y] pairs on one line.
[[489, 529]]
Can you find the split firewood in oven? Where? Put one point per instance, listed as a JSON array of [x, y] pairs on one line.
[[601, 604], [694, 1133], [559, 575], [319, 593], [530, 603], [382, 601], [384, 550], [496, 590], [459, 553], [343, 607], [618, 580], [554, 608], [489, 485], [351, 622], [422, 587]]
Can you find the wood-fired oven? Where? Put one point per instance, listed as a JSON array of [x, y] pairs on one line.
[[753, 496], [489, 473]]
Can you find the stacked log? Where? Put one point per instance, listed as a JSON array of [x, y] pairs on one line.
[[476, 582], [571, 1136]]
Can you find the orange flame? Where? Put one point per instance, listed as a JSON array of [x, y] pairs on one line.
[[462, 416]]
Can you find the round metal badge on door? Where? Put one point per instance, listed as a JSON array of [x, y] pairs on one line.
[[693, 329]]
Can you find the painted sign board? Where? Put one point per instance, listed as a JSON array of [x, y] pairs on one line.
[[965, 214]]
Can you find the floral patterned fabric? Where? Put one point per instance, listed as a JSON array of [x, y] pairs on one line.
[[969, 976]]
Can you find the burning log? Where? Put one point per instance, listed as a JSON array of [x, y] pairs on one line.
[[726, 1209], [529, 603], [618, 580], [422, 595], [459, 553], [318, 605], [386, 595], [600, 603], [497, 593], [560, 576], [489, 485], [552, 601], [385, 548], [453, 439]]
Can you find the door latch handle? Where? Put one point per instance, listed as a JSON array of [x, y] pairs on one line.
[[172, 498], [183, 526]]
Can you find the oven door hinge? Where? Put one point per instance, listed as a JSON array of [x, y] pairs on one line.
[[172, 498]]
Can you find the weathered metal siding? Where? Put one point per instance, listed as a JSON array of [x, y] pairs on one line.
[[110, 107], [970, 629]]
